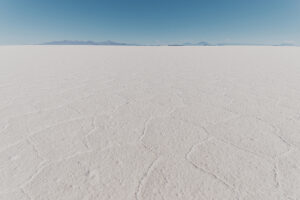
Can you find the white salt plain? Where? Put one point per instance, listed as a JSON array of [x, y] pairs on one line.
[[141, 123]]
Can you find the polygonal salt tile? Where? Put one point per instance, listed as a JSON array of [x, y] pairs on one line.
[[289, 175], [171, 136], [124, 126], [18, 164], [203, 115], [179, 180], [19, 128], [111, 174], [252, 177], [17, 195], [63, 140], [289, 130], [252, 135], [102, 102]]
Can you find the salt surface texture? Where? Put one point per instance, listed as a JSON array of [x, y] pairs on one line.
[[159, 123]]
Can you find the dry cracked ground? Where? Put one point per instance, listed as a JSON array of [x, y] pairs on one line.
[[149, 123]]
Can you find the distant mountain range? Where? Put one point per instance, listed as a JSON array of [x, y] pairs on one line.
[[76, 42], [285, 44], [192, 44], [113, 43], [229, 44]]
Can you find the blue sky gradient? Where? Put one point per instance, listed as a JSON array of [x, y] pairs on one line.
[[150, 21]]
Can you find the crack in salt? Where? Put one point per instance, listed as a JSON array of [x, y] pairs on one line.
[[187, 158], [145, 128], [144, 178]]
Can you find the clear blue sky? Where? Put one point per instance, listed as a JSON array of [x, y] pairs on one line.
[[150, 21]]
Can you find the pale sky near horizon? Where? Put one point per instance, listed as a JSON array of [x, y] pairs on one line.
[[150, 21]]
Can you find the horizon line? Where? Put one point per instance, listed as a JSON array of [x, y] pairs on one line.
[[115, 43]]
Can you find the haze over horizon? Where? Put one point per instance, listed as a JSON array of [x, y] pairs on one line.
[[150, 22]]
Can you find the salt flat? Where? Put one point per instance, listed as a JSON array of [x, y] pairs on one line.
[[141, 123]]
